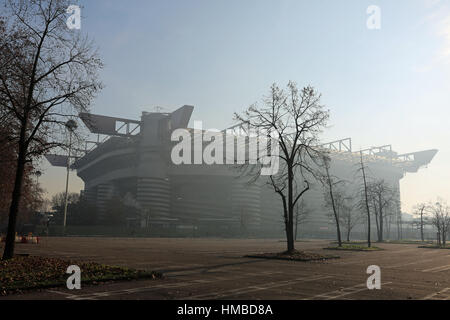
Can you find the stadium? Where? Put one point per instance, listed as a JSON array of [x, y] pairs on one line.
[[134, 164]]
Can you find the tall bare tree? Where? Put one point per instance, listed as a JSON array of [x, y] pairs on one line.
[[365, 199], [330, 198], [399, 222], [48, 74], [440, 218], [295, 118], [348, 215], [344, 208], [389, 219], [58, 200], [301, 215], [420, 210], [382, 198]]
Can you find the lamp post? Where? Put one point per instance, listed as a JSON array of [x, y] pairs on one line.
[[37, 174], [71, 125]]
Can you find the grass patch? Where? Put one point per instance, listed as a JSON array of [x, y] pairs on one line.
[[408, 242], [33, 272], [362, 242], [357, 242], [300, 240], [354, 247], [293, 256], [435, 247]]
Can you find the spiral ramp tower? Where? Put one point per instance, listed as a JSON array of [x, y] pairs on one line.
[[246, 204]]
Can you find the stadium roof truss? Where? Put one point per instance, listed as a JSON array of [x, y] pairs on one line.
[[342, 149]]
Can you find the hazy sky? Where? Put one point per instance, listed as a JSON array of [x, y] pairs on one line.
[[387, 86]]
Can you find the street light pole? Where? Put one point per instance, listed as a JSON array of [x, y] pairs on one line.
[[67, 182], [71, 125], [37, 174]]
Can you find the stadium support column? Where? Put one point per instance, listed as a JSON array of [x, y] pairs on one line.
[[105, 192], [89, 195], [153, 184], [246, 199], [153, 193]]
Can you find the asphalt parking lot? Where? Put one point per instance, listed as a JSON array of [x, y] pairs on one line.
[[216, 269]]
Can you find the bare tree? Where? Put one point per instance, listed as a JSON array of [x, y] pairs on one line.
[[349, 217], [301, 215], [295, 118], [331, 200], [365, 199], [382, 198], [420, 210], [389, 218], [48, 75], [399, 222], [344, 206], [58, 200], [440, 218]]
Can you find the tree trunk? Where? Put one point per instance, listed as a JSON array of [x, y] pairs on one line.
[[377, 222], [338, 229], [444, 238], [290, 222], [399, 226], [380, 238], [388, 227], [290, 239], [336, 217], [289, 233], [14, 207], [368, 231], [421, 225], [439, 238], [367, 202]]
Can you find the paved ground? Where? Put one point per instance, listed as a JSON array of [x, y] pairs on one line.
[[216, 269]]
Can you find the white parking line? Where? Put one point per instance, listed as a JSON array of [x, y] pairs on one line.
[[95, 295], [253, 288], [210, 279], [431, 252], [408, 264], [437, 269], [440, 295], [336, 294], [60, 292]]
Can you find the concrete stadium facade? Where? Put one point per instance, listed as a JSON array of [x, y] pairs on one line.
[[137, 168]]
